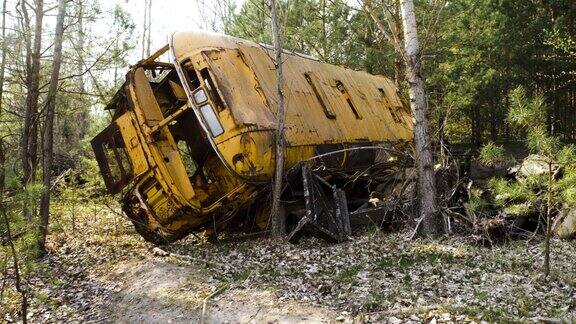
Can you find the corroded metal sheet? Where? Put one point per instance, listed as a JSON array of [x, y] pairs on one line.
[[326, 210], [329, 108], [384, 117]]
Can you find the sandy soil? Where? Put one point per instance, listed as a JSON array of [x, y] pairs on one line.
[[153, 291]]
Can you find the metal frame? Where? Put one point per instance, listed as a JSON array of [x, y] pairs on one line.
[[98, 146], [326, 215]]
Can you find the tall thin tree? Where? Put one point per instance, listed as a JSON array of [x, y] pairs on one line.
[[82, 112], [80, 33], [430, 221], [33, 85], [29, 141], [149, 28], [278, 221], [49, 126], [146, 26], [18, 282], [2, 70]]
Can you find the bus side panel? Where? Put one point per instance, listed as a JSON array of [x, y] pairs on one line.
[[133, 145], [162, 147]]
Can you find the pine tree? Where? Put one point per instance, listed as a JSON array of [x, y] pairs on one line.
[[530, 113]]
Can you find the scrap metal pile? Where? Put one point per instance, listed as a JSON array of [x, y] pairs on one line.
[[331, 204]]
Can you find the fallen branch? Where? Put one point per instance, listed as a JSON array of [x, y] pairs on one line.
[[212, 295]]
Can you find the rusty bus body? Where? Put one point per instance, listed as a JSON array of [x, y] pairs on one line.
[[191, 140]]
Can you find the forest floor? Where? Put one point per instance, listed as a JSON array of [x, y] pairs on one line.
[[100, 270]]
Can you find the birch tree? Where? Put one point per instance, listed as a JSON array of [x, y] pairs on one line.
[[278, 221], [48, 137], [430, 222], [146, 28]]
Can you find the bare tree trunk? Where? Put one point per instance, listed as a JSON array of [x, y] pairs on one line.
[[3, 63], [49, 127], [278, 218], [82, 113], [548, 221], [30, 156], [29, 143], [80, 38], [398, 72], [430, 221], [149, 28], [2, 70], [2, 168], [397, 31], [20, 286], [146, 28]]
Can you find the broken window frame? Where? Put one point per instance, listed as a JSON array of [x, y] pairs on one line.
[[342, 88], [189, 163], [188, 68], [211, 89], [112, 135], [320, 94], [388, 104], [209, 117]]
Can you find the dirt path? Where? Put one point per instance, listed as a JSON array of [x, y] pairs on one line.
[[108, 274], [153, 291]]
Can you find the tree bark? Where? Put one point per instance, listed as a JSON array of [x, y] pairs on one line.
[[390, 32], [3, 63], [149, 27], [2, 70], [430, 221], [30, 144], [82, 112], [19, 285], [49, 127], [278, 221], [546, 269], [146, 29], [81, 38], [476, 124]]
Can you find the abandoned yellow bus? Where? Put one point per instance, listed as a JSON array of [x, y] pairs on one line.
[[191, 144]]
